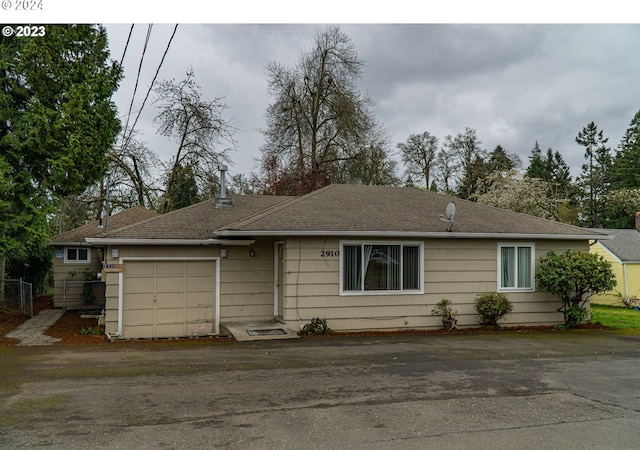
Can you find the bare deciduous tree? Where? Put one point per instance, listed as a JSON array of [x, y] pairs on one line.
[[133, 175], [203, 135], [319, 124], [418, 155], [468, 160]]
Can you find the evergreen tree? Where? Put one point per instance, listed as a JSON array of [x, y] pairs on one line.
[[595, 178], [57, 124], [182, 191], [552, 169], [501, 160], [536, 167], [626, 165], [558, 175]]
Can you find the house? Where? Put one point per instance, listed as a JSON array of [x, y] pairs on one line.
[[623, 253], [76, 263], [363, 257]]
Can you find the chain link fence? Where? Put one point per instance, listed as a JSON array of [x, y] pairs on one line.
[[17, 294]]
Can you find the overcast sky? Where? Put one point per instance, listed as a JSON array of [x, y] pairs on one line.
[[513, 84]]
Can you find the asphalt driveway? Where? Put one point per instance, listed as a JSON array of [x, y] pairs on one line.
[[572, 390]]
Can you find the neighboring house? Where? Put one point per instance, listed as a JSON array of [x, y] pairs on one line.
[[623, 253], [76, 261], [363, 257]]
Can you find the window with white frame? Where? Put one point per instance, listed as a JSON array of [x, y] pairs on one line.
[[380, 267], [77, 255], [516, 264]]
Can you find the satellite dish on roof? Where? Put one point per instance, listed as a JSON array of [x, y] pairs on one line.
[[451, 214], [451, 211]]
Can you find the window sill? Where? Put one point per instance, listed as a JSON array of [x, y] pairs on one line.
[[516, 290], [364, 293]]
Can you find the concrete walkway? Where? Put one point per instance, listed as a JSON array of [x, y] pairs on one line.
[[32, 331]]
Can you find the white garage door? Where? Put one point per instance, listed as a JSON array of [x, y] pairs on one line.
[[168, 299]]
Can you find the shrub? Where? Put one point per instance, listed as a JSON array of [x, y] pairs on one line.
[[316, 326], [628, 301], [574, 277], [443, 309], [492, 306], [91, 331], [575, 314]]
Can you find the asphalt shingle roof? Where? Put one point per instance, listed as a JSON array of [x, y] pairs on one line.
[[116, 221], [197, 221], [348, 209], [625, 243], [355, 208]]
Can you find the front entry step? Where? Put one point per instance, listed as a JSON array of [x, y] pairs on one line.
[[258, 331]]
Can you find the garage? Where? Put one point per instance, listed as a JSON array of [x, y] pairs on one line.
[[168, 298]]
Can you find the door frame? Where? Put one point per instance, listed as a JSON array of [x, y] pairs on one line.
[[278, 291]]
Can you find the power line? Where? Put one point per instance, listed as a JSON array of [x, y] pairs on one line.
[[166, 50], [124, 52], [135, 88], [126, 46]]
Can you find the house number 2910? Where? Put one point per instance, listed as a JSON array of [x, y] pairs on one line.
[[329, 253]]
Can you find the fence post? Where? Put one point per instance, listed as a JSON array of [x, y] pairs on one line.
[[21, 294], [27, 290]]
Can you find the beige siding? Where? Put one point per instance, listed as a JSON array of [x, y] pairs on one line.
[[246, 283], [629, 285], [457, 269], [74, 296], [111, 303]]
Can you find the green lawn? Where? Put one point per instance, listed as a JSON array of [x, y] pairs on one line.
[[615, 317]]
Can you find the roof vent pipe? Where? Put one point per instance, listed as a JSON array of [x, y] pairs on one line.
[[223, 201], [223, 188]]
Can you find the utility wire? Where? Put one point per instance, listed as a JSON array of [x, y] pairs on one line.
[[126, 46], [135, 88], [166, 50], [124, 52]]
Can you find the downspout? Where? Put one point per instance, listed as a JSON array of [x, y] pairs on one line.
[[624, 276]]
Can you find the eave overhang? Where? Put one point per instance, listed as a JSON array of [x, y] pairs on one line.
[[170, 242], [68, 244], [415, 234]]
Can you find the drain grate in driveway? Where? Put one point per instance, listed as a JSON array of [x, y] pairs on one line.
[[268, 332]]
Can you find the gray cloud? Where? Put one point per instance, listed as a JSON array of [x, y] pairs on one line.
[[515, 84]]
